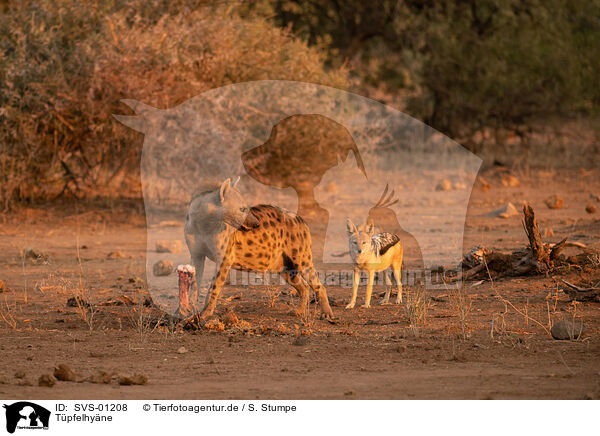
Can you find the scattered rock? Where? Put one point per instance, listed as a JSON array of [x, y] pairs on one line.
[[554, 202], [46, 380], [2, 286], [590, 208], [509, 181], [301, 340], [349, 393], [567, 330], [101, 377], [459, 186], [230, 319], [548, 232], [505, 211], [444, 185], [182, 350], [77, 302], [169, 246], [20, 374], [65, 373], [163, 268], [136, 379], [485, 186], [115, 255]]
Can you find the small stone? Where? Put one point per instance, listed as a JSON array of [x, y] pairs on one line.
[[554, 202], [115, 255], [169, 246], [46, 380], [101, 377], [300, 341], [136, 379], [564, 329], [20, 374], [485, 185], [65, 373], [182, 350], [163, 268], [444, 185], [510, 181], [590, 208], [506, 211], [77, 302], [349, 393]]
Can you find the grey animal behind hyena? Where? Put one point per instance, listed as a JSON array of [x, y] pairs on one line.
[[220, 226]]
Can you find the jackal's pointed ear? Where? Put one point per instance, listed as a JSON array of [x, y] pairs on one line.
[[224, 187], [235, 182], [370, 227], [350, 227]]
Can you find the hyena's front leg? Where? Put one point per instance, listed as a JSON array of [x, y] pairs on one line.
[[214, 289], [355, 281]]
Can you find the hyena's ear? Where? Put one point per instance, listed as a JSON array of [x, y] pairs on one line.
[[350, 227], [224, 187], [235, 182], [370, 227]]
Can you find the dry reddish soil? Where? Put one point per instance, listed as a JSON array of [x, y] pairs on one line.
[[367, 354]]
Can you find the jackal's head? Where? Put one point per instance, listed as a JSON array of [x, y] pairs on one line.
[[359, 239]]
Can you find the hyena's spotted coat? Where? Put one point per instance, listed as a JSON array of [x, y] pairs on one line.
[[262, 238]]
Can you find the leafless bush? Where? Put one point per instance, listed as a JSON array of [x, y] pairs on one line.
[[6, 313], [67, 64], [416, 308], [462, 305]]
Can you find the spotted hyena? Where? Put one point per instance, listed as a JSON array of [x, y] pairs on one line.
[[220, 226]]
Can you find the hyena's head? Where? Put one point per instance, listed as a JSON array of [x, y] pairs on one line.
[[234, 209], [210, 209], [359, 239]]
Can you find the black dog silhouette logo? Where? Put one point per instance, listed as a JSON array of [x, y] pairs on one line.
[[26, 415]]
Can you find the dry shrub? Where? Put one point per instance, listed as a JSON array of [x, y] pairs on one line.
[[65, 65]]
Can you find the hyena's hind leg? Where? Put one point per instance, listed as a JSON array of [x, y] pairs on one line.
[[296, 280], [311, 276]]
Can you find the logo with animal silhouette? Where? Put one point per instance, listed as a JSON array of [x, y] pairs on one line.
[[316, 153], [25, 415]]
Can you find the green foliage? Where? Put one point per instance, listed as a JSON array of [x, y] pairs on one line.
[[465, 63], [65, 64]]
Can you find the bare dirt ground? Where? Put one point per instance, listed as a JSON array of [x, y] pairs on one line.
[[368, 354]]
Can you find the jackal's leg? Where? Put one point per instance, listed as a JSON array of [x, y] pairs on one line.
[[214, 289], [354, 288], [388, 282], [398, 276], [311, 276], [298, 282], [369, 289]]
